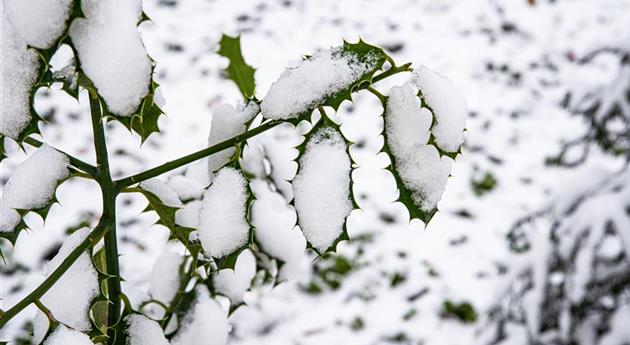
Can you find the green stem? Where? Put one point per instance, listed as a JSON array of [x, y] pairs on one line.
[[377, 94], [91, 240], [109, 192], [77, 163], [166, 167]]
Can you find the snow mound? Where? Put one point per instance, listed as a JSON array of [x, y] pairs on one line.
[[448, 105], [233, 283], [164, 192], [111, 52], [66, 336], [39, 22], [274, 221], [322, 188], [144, 331], [33, 183], [227, 122], [164, 280], [19, 72], [70, 298], [300, 88], [407, 122], [223, 227], [205, 320]]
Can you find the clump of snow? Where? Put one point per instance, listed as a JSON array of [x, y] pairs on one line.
[[233, 283], [425, 173], [164, 280], [66, 336], [274, 222], [223, 227], [407, 122], [301, 88], [70, 298], [39, 22], [188, 216], [185, 187], [322, 188], [164, 192], [32, 185], [227, 122], [19, 72], [448, 105], [111, 52], [143, 331], [204, 322]]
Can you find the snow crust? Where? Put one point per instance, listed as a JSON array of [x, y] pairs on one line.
[[223, 227], [70, 298], [144, 331], [164, 280], [300, 88], [32, 185], [228, 121], [19, 72], [39, 22], [275, 225], [163, 191], [233, 283], [419, 165], [449, 107], [111, 52], [322, 188], [66, 336], [205, 322]]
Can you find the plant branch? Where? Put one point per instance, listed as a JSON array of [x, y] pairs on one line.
[[77, 163], [91, 240], [174, 164], [109, 192]]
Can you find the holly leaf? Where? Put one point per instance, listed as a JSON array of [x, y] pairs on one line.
[[238, 70], [144, 121], [323, 123], [165, 213]]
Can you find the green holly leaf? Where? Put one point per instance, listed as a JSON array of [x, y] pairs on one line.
[[144, 121], [3, 153], [166, 214], [238, 70]]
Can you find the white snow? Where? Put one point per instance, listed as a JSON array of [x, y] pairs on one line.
[[301, 88], [70, 298], [228, 121], [204, 321], [407, 123], [188, 216], [449, 107], [111, 52], [19, 73], [66, 336], [223, 227], [39, 22], [233, 283], [165, 277], [32, 184], [322, 188], [274, 222], [418, 165], [425, 173], [143, 331], [164, 192], [186, 188], [619, 332]]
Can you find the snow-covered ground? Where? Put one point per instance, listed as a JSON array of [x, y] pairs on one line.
[[511, 59]]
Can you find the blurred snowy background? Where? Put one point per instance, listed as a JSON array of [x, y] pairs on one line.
[[526, 69]]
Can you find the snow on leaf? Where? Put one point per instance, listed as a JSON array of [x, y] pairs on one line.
[[233, 283], [143, 331], [322, 187], [238, 70], [325, 79]]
